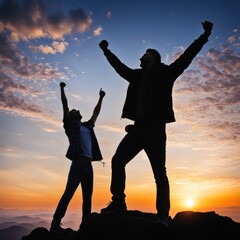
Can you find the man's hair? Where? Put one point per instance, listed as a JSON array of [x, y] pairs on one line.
[[155, 53]]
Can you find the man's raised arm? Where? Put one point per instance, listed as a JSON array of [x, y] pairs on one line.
[[207, 26]]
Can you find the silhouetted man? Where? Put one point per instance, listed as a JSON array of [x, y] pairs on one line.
[[149, 104], [83, 149]]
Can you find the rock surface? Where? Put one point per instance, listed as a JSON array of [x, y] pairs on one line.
[[137, 225]]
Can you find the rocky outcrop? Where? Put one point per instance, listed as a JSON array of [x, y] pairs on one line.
[[137, 225]]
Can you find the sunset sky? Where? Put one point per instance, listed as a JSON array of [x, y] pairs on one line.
[[45, 42]]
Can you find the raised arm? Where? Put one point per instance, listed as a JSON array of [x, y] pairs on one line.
[[186, 58], [123, 70], [104, 46], [97, 108], [207, 26], [64, 99]]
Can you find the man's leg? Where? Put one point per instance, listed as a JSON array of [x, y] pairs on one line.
[[128, 148], [156, 152]]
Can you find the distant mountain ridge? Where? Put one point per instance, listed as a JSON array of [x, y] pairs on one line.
[[26, 219], [13, 233], [15, 227]]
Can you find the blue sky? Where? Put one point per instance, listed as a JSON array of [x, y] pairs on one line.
[[45, 42]]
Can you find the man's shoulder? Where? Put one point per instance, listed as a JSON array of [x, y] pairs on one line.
[[163, 65]]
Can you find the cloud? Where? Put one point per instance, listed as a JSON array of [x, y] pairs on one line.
[[57, 47], [27, 20], [22, 81], [216, 81], [97, 31], [14, 62], [112, 128], [15, 97], [207, 97], [109, 14], [8, 100], [11, 101]]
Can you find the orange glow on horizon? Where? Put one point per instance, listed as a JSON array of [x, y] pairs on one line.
[[142, 200]]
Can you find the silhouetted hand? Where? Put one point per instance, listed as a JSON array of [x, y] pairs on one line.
[[62, 84], [103, 45], [207, 26], [102, 93]]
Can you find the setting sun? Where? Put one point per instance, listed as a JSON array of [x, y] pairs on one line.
[[189, 203]]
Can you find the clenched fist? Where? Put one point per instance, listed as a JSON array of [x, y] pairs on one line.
[[103, 45], [62, 84], [207, 26]]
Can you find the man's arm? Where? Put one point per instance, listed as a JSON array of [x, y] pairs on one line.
[[64, 99], [123, 70], [207, 26], [186, 58], [97, 108], [104, 46]]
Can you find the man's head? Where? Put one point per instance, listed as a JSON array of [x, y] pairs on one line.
[[75, 114], [150, 58]]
